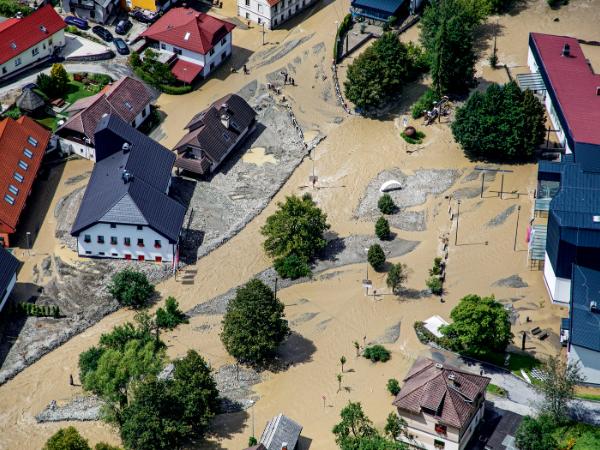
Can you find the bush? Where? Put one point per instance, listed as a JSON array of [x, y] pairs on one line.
[[100, 78], [171, 315], [131, 288], [424, 103], [417, 138], [252, 441], [44, 83], [67, 439], [437, 266], [175, 90], [13, 113], [393, 386], [292, 267], [435, 285], [377, 353], [376, 257], [134, 60], [382, 228], [386, 205]]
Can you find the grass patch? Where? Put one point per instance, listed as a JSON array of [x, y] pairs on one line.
[[517, 361], [417, 138], [496, 390], [76, 90], [577, 436], [593, 397]]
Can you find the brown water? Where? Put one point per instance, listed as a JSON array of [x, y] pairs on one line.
[[354, 152]]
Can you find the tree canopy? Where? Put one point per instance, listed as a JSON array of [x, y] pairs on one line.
[[381, 71], [67, 439], [501, 124], [396, 277], [536, 434], [480, 325], [254, 324], [170, 316], [447, 34], [131, 288], [297, 229], [558, 387]]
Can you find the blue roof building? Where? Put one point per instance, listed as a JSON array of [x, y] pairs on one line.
[[381, 10], [8, 275]]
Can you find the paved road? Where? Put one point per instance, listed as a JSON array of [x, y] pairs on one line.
[[522, 397]]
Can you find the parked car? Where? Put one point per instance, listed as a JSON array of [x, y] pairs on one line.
[[123, 26], [103, 33], [121, 46], [144, 16], [82, 24]]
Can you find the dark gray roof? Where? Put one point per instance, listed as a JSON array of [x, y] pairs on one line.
[[140, 201], [585, 323], [8, 267], [207, 132], [281, 429], [29, 101]]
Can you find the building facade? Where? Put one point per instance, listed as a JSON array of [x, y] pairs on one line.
[[197, 43], [99, 11], [30, 40], [441, 405], [271, 13], [126, 211], [382, 11], [8, 275]]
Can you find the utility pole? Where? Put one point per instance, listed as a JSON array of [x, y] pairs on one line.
[[275, 288], [502, 186], [517, 228], [263, 33], [457, 217], [482, 182]]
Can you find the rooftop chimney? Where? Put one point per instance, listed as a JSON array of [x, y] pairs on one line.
[[284, 446], [126, 147], [594, 307], [225, 120], [127, 176], [566, 51]]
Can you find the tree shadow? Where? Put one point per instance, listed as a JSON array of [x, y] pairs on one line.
[[414, 294], [334, 247], [296, 350], [223, 426], [484, 36]]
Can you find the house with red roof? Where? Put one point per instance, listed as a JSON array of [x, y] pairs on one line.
[[30, 40], [442, 405], [23, 143], [197, 42], [272, 13]]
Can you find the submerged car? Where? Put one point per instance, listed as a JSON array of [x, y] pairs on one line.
[[123, 27]]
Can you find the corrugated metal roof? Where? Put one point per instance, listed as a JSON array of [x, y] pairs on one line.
[[531, 81], [585, 324], [279, 430], [388, 6], [537, 246]]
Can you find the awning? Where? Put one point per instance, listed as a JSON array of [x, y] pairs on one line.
[[186, 71], [531, 81]]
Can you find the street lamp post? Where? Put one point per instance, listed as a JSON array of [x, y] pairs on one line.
[[457, 218]]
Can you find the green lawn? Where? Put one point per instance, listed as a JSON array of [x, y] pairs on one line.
[[516, 362], [50, 122], [77, 90], [496, 390], [594, 397]]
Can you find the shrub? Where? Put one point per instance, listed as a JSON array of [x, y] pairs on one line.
[[171, 315], [424, 103], [67, 439], [416, 138], [437, 266], [100, 78], [292, 266], [377, 353], [376, 257], [252, 441], [60, 79], [341, 32], [13, 113], [386, 205], [175, 90], [131, 288], [10, 8], [44, 83], [435, 285], [393, 386], [382, 228], [134, 60]]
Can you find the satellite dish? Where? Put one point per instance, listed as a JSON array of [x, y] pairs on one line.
[[391, 185]]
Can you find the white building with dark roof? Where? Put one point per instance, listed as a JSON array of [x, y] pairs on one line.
[[126, 211]]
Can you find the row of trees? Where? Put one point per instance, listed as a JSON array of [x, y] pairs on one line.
[[55, 84]]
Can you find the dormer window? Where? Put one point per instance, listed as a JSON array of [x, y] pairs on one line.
[[33, 141], [23, 165], [28, 153]]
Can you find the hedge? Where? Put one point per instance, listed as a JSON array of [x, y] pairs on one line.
[[175, 90], [341, 32]]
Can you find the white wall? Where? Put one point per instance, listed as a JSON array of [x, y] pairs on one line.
[[11, 285], [260, 12], [143, 115], [472, 426], [558, 288], [589, 362], [44, 49], [85, 151], [167, 250]]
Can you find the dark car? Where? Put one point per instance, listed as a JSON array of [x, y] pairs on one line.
[[78, 22], [103, 33], [144, 16], [123, 27], [121, 46]]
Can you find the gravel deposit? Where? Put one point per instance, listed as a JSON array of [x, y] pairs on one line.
[[415, 190], [266, 57], [339, 252], [82, 408], [234, 383], [501, 218], [389, 336], [514, 281]]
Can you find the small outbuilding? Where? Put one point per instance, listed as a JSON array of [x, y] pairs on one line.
[[281, 433], [30, 102]]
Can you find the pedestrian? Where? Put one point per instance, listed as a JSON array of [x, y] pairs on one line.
[[481, 372], [292, 82], [285, 77], [245, 70], [71, 380]]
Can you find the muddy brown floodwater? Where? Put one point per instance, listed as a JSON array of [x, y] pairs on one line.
[[328, 314]]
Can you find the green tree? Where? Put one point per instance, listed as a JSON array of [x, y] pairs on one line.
[[558, 387], [376, 257], [254, 324], [292, 266], [131, 288], [377, 353], [395, 426], [435, 285], [134, 60], [252, 441], [67, 439], [447, 34], [393, 386], [105, 446], [480, 325], [296, 228], [342, 362], [501, 124], [396, 277], [381, 71], [60, 79], [386, 204], [382, 228], [45, 84], [536, 434], [171, 315]]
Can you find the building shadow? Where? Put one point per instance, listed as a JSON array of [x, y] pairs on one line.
[[297, 20], [304, 443], [224, 426], [235, 62], [190, 243]]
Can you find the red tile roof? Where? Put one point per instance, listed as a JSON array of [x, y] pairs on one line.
[[574, 84], [186, 71], [443, 391], [24, 33], [189, 29], [14, 136]]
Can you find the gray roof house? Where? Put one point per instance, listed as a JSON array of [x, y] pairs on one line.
[[128, 190], [99, 11], [214, 133], [8, 274], [281, 433]]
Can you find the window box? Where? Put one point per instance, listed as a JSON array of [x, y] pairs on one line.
[[441, 429], [157, 244]]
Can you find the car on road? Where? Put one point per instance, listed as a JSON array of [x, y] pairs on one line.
[[123, 26], [82, 24], [121, 46], [103, 33]]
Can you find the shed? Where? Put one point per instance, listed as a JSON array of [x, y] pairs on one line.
[[29, 101], [281, 433]]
